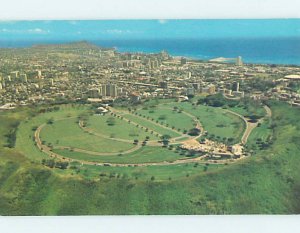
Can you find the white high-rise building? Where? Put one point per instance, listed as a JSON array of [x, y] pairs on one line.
[[239, 61], [39, 74]]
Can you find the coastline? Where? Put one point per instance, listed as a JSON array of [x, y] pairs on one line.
[[156, 45]]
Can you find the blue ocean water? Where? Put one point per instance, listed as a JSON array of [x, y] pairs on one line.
[[262, 50], [257, 41]]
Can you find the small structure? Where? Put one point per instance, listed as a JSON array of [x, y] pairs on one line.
[[101, 110], [295, 77]]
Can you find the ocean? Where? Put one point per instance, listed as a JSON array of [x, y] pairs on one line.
[[257, 41], [263, 51]]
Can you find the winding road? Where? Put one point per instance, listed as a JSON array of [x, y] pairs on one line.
[[50, 153]]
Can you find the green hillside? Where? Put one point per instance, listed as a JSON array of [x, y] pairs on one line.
[[266, 183]]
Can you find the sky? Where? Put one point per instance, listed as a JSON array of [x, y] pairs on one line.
[[147, 29], [149, 9]]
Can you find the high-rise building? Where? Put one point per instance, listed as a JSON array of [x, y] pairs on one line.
[[183, 61], [39, 74], [236, 86], [110, 90], [103, 90], [94, 93], [113, 90], [239, 61], [164, 55], [120, 91]]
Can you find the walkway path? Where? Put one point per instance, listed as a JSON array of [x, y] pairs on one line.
[[249, 125], [47, 150]]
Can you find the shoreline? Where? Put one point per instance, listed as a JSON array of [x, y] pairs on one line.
[[18, 44]]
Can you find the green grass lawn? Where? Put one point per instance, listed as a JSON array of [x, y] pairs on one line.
[[68, 133], [151, 125], [266, 183], [249, 110], [215, 120], [260, 134], [25, 132], [120, 128], [143, 155], [168, 116], [160, 173]]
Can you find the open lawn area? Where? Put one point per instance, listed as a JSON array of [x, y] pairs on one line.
[[168, 116], [216, 121], [68, 133], [25, 133], [151, 125], [117, 128], [265, 183], [144, 155]]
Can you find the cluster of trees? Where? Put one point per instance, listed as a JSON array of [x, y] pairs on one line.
[[260, 84], [55, 164], [50, 121], [262, 145], [217, 100], [49, 109], [11, 135], [194, 132]]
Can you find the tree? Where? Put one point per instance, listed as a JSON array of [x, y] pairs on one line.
[[135, 141], [192, 153], [165, 136], [111, 121], [165, 142], [194, 132], [50, 121]]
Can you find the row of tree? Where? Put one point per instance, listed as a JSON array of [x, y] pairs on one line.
[[55, 164]]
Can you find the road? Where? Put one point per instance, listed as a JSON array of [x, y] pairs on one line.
[[249, 125], [47, 150]]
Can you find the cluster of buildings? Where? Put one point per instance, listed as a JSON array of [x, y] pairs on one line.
[[81, 71]]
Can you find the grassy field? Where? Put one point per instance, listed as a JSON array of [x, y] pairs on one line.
[[25, 132], [168, 116], [215, 120], [260, 134], [64, 131], [249, 110], [267, 183], [143, 155], [68, 133], [151, 125], [120, 128]]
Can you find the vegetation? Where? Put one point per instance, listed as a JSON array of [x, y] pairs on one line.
[[266, 183]]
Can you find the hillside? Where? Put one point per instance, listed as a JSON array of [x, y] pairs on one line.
[[267, 183]]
